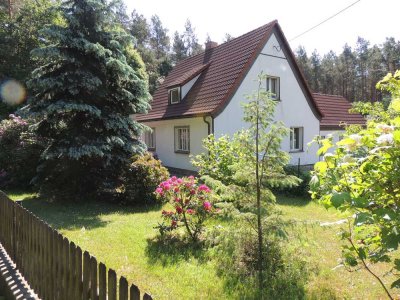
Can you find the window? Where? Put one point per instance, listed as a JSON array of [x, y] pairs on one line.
[[182, 139], [174, 95], [296, 138], [150, 139], [273, 87]]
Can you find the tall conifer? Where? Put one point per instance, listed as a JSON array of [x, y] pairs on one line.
[[89, 84]]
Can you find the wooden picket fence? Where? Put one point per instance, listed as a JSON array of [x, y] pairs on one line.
[[54, 267]]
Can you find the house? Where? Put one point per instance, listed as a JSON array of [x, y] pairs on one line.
[[335, 111], [203, 95]]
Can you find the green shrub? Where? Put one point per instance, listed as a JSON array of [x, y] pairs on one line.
[[217, 161], [285, 271], [142, 178], [20, 151], [303, 188]]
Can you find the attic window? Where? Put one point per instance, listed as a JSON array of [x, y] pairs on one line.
[[273, 87], [174, 95]]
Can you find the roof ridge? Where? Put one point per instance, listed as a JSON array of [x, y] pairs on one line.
[[330, 95], [227, 42], [263, 39], [258, 28]]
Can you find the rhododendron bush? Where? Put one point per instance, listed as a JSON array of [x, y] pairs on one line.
[[20, 150], [191, 204]]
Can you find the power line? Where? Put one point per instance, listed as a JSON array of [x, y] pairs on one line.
[[339, 12]]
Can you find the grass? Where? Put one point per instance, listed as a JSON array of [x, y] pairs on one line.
[[322, 245], [123, 238]]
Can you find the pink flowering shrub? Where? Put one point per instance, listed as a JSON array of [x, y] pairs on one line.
[[191, 205]]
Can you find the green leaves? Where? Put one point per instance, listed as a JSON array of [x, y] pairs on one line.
[[361, 175], [338, 199]]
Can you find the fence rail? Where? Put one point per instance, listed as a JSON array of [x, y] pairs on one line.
[[54, 267]]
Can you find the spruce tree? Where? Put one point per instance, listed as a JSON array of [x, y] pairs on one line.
[[89, 84]]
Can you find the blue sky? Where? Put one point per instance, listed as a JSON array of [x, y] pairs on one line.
[[371, 19]]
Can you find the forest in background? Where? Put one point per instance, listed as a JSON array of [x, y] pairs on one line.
[[352, 73], [21, 21]]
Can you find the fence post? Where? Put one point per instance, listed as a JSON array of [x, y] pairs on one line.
[[14, 232], [112, 285], [102, 282], [147, 297], [53, 266], [134, 293], [123, 288]]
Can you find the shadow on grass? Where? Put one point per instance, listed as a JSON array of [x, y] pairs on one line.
[[171, 250], [75, 215], [292, 200]]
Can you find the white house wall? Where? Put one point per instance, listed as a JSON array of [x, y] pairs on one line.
[[164, 131], [336, 134], [293, 109], [186, 87]]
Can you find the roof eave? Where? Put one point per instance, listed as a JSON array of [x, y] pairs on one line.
[[196, 115]]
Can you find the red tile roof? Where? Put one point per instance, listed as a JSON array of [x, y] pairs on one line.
[[189, 75], [222, 70], [335, 111]]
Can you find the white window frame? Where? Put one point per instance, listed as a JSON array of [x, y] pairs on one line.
[[170, 91], [150, 139], [182, 139], [277, 94], [294, 138]]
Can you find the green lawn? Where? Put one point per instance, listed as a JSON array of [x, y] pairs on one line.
[[122, 238]]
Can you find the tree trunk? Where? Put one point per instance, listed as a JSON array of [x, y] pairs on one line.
[[259, 225]]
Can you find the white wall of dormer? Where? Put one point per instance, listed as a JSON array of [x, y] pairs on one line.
[[293, 109], [186, 87]]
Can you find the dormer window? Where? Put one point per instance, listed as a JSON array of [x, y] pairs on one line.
[[174, 95], [273, 87]]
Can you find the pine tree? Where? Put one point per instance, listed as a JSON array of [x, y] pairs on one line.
[[190, 40], [391, 54], [185, 44], [90, 82], [228, 37], [328, 72], [140, 29], [178, 48], [315, 61], [303, 61], [159, 39], [347, 63], [376, 71], [361, 69]]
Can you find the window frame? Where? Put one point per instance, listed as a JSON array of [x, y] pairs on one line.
[[176, 134], [178, 88], [150, 135], [301, 139], [274, 96]]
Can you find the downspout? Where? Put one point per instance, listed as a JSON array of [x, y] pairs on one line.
[[210, 126]]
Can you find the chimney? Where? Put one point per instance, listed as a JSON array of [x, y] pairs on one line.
[[211, 44]]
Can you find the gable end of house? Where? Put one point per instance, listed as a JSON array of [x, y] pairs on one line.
[[289, 56]]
